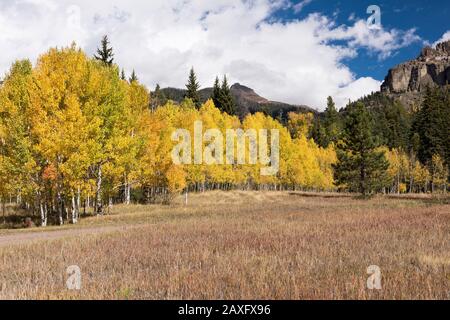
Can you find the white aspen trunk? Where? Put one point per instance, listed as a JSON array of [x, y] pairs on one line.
[[98, 193], [78, 202], [61, 220], [186, 198], [43, 208], [59, 206], [74, 211], [110, 205], [127, 192]]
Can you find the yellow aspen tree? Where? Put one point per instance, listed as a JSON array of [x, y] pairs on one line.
[[439, 173], [421, 176], [19, 172], [59, 127], [300, 124], [129, 141], [105, 106]]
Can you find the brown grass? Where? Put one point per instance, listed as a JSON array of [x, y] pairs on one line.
[[245, 245]]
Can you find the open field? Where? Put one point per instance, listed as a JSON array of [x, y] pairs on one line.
[[239, 245]]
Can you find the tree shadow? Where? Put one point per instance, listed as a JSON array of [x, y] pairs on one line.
[[321, 195]]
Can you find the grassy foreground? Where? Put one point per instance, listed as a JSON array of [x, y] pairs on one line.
[[242, 245]]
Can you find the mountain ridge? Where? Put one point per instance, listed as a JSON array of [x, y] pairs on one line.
[[246, 99]]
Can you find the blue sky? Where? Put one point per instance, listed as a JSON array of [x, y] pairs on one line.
[[431, 18], [299, 54]]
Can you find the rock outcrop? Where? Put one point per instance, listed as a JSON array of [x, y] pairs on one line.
[[431, 68], [408, 81]]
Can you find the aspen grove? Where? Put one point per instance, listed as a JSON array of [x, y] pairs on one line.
[[75, 136]]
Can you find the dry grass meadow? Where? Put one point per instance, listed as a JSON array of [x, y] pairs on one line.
[[239, 245]]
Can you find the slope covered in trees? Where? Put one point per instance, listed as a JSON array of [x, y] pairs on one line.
[[245, 99], [415, 142]]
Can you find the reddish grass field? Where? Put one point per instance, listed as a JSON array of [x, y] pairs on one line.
[[239, 245]]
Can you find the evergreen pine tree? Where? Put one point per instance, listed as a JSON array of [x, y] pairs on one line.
[[192, 89], [216, 94], [133, 77], [360, 167], [432, 124], [331, 123], [122, 75], [105, 53], [226, 100], [318, 132], [327, 127], [158, 98]]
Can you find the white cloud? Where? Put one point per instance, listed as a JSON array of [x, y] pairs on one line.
[[445, 37], [301, 5], [295, 62], [377, 40], [353, 90]]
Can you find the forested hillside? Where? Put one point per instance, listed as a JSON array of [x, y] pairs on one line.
[[246, 100]]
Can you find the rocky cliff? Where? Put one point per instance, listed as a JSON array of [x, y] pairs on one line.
[[432, 67], [409, 80]]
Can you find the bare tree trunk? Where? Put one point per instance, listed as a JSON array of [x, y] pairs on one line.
[[110, 205], [60, 216], [78, 203], [127, 192], [60, 208], [74, 211], [98, 193], [19, 198], [4, 210], [43, 208]]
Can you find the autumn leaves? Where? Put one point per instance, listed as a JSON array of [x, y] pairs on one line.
[[74, 135]]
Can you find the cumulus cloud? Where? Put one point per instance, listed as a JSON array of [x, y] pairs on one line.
[[353, 90], [294, 61], [377, 40]]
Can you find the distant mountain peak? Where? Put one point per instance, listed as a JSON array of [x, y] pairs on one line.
[[240, 91], [238, 86], [247, 101]]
